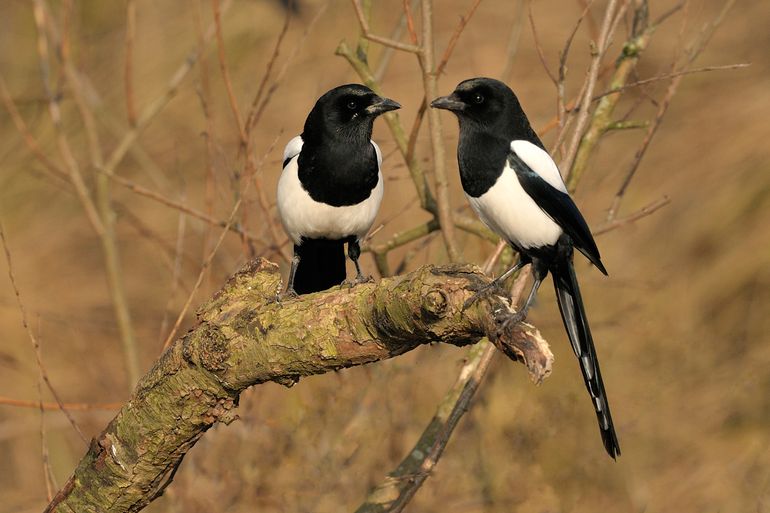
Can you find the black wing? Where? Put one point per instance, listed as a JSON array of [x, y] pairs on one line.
[[559, 207]]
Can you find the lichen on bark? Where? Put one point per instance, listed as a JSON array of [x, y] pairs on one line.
[[244, 337]]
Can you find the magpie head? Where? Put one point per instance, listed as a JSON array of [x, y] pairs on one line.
[[483, 102], [348, 111]]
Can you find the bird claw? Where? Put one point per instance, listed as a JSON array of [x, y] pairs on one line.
[[286, 294], [480, 292], [357, 280], [513, 319]]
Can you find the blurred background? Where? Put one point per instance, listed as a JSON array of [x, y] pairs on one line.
[[681, 324]]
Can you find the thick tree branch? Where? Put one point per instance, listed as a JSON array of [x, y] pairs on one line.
[[244, 337]]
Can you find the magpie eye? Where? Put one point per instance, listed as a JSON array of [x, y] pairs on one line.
[[478, 98], [352, 105]]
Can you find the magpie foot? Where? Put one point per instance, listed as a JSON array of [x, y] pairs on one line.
[[357, 280], [513, 319], [286, 294], [481, 292]]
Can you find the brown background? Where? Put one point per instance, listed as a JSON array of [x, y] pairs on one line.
[[681, 323]]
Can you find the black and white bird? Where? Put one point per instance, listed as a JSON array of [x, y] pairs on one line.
[[331, 187], [516, 189]]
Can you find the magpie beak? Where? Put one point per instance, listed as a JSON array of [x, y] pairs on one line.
[[448, 103], [384, 105]]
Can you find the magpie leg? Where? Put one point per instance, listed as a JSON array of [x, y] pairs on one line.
[[539, 272], [497, 281], [354, 251], [290, 292]]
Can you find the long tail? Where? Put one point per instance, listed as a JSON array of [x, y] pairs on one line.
[[576, 323], [321, 265]]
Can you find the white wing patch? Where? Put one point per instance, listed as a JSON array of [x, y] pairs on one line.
[[508, 210], [540, 162], [302, 216], [292, 148]]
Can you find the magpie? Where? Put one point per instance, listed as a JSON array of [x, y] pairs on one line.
[[516, 189], [331, 187]]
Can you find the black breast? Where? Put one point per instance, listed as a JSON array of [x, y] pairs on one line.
[[338, 174], [481, 158]]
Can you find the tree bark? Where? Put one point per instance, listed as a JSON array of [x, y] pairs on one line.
[[245, 337]]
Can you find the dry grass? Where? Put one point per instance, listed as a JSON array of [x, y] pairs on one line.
[[681, 323]]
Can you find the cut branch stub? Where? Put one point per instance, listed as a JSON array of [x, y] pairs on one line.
[[245, 337]]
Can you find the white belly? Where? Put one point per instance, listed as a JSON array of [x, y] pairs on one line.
[[304, 217], [510, 212]]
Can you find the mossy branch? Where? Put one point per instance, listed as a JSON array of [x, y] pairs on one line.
[[244, 338]]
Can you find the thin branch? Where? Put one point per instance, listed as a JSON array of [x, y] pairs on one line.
[[54, 109], [409, 23], [667, 76], [388, 52], [561, 108], [513, 40], [366, 32], [201, 274], [694, 50], [251, 118], [128, 66], [539, 48], [155, 106], [181, 207], [33, 339], [428, 65], [50, 480], [21, 403], [399, 487], [226, 73], [26, 135], [108, 236], [450, 47], [639, 214], [602, 114], [593, 72]]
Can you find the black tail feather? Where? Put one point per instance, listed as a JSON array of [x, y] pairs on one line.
[[576, 323], [321, 265]]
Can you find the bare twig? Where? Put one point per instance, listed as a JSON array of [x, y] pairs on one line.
[[366, 32], [639, 214], [107, 237], [428, 66], [388, 52], [539, 48], [154, 107], [128, 66], [29, 139], [513, 39], [399, 487], [593, 72], [674, 74], [251, 118], [33, 339], [176, 272], [181, 207], [50, 481], [692, 53], [561, 108], [21, 403], [226, 73], [54, 109], [602, 114], [198, 282]]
